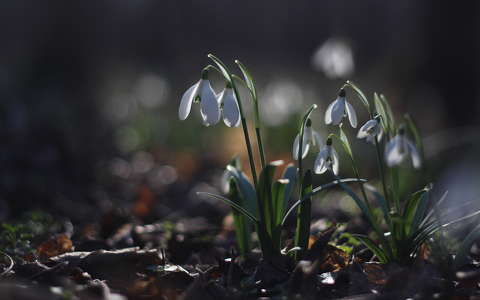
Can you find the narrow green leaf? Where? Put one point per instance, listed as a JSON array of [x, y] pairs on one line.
[[318, 190], [388, 111], [265, 185], [359, 93], [410, 210], [381, 255], [235, 77], [395, 187], [345, 142], [243, 228], [248, 79], [290, 173], [382, 112], [278, 203], [278, 192], [461, 257], [223, 68], [302, 234], [248, 194], [232, 204]]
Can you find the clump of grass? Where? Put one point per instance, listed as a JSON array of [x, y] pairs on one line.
[[261, 205]]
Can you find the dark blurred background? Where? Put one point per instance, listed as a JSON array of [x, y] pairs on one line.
[[90, 91]]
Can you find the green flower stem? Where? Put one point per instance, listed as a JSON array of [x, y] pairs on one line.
[[260, 147], [304, 210], [305, 207], [249, 83], [381, 170]]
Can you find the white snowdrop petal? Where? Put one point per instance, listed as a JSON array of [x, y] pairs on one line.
[[363, 132], [338, 111], [335, 163], [352, 116], [317, 139], [320, 165], [209, 108], [416, 161], [231, 111], [186, 102], [305, 147], [393, 153], [328, 113]]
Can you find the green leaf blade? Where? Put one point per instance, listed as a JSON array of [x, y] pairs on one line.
[[232, 204]]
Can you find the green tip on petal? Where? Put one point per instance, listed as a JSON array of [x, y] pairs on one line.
[[228, 85], [329, 141], [342, 93], [309, 123]]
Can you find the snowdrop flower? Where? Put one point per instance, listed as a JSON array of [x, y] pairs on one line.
[[327, 159], [311, 138], [370, 130], [209, 107], [399, 149], [339, 109], [229, 103]]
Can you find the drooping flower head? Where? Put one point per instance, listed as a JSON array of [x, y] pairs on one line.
[[327, 159], [401, 148], [311, 138], [229, 104], [370, 130], [339, 109], [202, 92]]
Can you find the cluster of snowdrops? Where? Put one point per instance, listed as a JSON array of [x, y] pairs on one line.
[[263, 204]]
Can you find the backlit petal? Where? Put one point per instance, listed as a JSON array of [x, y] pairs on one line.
[[209, 107], [305, 147], [231, 111], [394, 155], [317, 139], [328, 113], [352, 116], [320, 165], [335, 163], [186, 102], [338, 111], [416, 161]]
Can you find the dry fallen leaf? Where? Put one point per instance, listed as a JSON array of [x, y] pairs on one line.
[[375, 273], [56, 245]]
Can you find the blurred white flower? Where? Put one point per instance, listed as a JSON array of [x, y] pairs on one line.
[[281, 99], [334, 58], [209, 107], [339, 109], [327, 159], [399, 149], [229, 103], [311, 138], [370, 130]]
